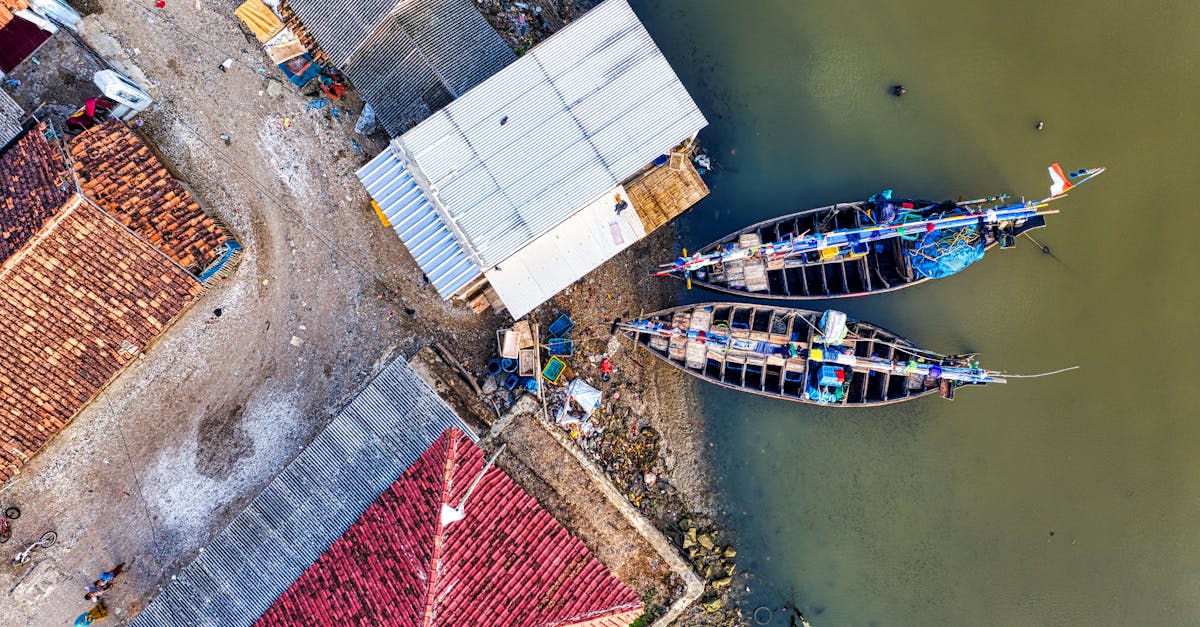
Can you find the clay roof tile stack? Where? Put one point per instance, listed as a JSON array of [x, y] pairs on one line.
[[507, 563], [122, 174]]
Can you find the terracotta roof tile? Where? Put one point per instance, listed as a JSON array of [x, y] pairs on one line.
[[34, 183], [122, 174], [507, 563], [7, 7], [68, 301]]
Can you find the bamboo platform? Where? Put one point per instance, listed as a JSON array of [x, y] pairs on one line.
[[661, 193]]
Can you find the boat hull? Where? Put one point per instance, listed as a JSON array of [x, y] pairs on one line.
[[878, 272], [786, 376]]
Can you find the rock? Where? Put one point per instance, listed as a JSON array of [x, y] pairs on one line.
[[706, 541], [275, 89], [722, 582], [527, 404], [649, 477], [729, 552], [689, 539], [712, 604], [490, 385]]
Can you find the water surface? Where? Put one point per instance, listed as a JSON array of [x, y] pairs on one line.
[[940, 513]]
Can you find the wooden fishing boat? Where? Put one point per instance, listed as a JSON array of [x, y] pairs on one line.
[[794, 354], [859, 248], [886, 266]]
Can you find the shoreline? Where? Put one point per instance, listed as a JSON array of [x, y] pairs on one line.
[[649, 430]]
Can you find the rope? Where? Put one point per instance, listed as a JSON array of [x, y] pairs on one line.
[[1042, 374]]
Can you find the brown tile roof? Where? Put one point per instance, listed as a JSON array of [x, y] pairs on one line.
[[68, 302], [8, 6], [34, 183], [123, 176]]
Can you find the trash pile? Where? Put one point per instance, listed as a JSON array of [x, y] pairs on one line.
[[521, 24], [514, 371], [286, 49]]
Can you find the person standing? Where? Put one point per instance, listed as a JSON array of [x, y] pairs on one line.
[[106, 578], [94, 590], [97, 613]]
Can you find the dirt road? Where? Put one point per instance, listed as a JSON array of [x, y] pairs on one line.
[[179, 442], [324, 296]]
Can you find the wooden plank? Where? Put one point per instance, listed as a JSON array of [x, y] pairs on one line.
[[695, 355], [660, 194]]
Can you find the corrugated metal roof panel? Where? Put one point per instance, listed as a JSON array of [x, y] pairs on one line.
[[340, 27], [310, 503], [10, 118], [408, 58], [567, 253], [584, 110], [432, 245]]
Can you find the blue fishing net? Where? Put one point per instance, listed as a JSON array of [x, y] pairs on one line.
[[941, 253]]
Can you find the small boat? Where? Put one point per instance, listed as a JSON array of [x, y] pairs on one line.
[[820, 358], [854, 249]]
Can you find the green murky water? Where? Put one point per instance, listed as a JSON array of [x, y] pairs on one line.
[[939, 513]]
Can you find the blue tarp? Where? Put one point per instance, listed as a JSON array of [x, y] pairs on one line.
[[939, 254]]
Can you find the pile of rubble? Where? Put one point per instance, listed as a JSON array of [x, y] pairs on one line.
[[523, 24]]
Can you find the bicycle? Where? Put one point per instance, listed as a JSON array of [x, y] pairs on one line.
[[46, 541], [10, 513]]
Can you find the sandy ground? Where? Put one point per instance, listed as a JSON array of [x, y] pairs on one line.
[[324, 296], [160, 461]]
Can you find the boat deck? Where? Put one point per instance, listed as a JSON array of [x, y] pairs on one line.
[[783, 374], [885, 267]]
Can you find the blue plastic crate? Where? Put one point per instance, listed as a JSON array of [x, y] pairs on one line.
[[561, 346], [562, 326]]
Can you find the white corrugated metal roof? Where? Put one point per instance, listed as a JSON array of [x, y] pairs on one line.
[[584, 110], [401, 200], [572, 249]]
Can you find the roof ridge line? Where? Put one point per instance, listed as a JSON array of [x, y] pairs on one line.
[[70, 164], [68, 207], [590, 615], [439, 534]]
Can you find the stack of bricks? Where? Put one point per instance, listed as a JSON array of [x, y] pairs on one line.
[[67, 304], [507, 562], [292, 22], [121, 174], [34, 184]]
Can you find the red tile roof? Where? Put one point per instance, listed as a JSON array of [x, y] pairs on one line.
[[123, 176], [507, 563], [34, 184], [69, 300]]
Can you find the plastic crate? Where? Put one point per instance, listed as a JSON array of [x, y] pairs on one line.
[[561, 346], [561, 326], [554, 370]]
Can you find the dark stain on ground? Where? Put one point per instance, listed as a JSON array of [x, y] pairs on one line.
[[222, 442], [87, 7]]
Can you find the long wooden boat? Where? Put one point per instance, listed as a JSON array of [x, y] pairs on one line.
[[798, 355], [860, 248]]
